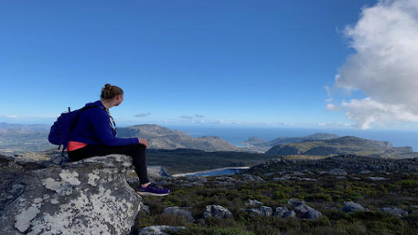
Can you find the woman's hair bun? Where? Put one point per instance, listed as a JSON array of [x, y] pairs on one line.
[[107, 86], [110, 92]]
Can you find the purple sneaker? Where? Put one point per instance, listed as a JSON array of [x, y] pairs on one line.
[[152, 190]]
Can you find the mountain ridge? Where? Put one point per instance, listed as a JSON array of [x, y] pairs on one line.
[[164, 138], [263, 145], [343, 145], [19, 138]]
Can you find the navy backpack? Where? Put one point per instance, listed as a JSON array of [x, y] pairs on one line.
[[62, 128]]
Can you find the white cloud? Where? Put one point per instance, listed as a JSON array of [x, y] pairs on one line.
[[187, 117], [333, 125], [199, 116], [142, 115], [384, 66], [366, 111], [333, 107], [8, 116], [329, 92]]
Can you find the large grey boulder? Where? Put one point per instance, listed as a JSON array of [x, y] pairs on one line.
[[177, 211], [394, 211], [307, 212], [266, 211], [254, 212], [254, 203], [262, 211], [304, 211], [216, 211], [295, 203], [352, 206], [159, 230], [280, 211], [85, 197], [289, 214]]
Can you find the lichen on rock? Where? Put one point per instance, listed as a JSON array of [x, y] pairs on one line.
[[85, 197]]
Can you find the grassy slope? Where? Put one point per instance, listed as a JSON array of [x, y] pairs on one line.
[[186, 160]]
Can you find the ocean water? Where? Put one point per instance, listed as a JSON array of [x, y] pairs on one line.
[[236, 135], [214, 172]]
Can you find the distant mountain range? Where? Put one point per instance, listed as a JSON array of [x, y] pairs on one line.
[[256, 143], [341, 146], [15, 138], [163, 138]]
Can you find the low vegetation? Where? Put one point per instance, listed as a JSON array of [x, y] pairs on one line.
[[326, 193], [190, 160]]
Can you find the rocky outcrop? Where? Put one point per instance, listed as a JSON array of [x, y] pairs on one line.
[[254, 203], [159, 230], [85, 197], [262, 211], [304, 211], [254, 178], [394, 211], [216, 211], [300, 210], [351, 207], [307, 212], [280, 211], [177, 211]]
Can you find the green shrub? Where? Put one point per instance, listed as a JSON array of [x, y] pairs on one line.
[[262, 198], [408, 184], [278, 195], [336, 215], [222, 223], [171, 220], [368, 215], [318, 197], [212, 231]]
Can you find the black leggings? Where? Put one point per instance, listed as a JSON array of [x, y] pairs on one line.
[[136, 151]]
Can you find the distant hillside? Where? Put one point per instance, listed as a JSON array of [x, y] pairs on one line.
[[18, 138], [350, 164], [253, 141], [262, 145], [163, 138], [341, 146], [191, 160]]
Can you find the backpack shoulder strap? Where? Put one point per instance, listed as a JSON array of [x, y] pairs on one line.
[[81, 110]]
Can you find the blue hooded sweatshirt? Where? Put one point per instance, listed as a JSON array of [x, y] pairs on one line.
[[94, 127]]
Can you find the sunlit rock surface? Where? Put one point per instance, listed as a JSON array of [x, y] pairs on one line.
[[85, 197]]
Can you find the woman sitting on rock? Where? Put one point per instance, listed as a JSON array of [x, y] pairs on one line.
[[94, 134]]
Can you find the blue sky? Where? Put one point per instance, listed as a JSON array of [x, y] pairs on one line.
[[250, 63]]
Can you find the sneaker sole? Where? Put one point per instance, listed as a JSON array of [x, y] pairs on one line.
[[152, 194]]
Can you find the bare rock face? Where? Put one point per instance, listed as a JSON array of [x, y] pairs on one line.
[[85, 197]]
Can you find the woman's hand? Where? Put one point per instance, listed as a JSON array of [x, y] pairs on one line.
[[143, 142]]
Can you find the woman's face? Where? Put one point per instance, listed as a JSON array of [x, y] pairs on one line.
[[118, 100]]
